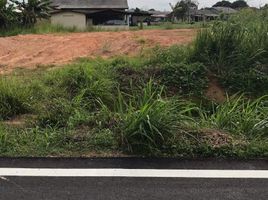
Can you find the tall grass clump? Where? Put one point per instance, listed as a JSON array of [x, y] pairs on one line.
[[75, 91], [84, 81], [149, 121], [14, 98], [4, 140], [236, 50], [240, 116], [174, 54]]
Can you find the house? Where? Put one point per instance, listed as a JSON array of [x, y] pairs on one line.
[[137, 16], [208, 14], [84, 13], [158, 17], [205, 14]]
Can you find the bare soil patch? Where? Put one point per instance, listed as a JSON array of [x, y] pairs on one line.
[[29, 51]]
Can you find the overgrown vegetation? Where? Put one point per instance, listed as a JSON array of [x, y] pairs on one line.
[[14, 13], [154, 104], [237, 51]]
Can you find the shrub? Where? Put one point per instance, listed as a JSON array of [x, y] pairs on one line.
[[185, 78]]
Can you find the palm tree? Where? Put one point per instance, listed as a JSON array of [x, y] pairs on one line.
[[178, 10], [32, 10], [7, 15], [182, 8]]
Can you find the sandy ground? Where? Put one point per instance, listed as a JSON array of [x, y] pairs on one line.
[[29, 51]]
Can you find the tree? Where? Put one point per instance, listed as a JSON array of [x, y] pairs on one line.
[[223, 4], [33, 10], [265, 6], [239, 4], [3, 3], [8, 17], [179, 10], [182, 8]]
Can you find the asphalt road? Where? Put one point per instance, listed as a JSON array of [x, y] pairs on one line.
[[130, 188]]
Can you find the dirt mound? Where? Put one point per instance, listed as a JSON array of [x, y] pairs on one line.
[[29, 51], [215, 91]]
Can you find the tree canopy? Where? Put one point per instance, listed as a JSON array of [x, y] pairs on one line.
[[181, 8], [223, 4], [236, 5], [239, 4], [22, 13]]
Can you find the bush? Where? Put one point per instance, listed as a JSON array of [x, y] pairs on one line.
[[185, 78]]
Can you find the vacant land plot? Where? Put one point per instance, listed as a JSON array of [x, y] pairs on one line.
[[32, 50]]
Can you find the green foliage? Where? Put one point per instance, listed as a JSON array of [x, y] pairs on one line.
[[181, 9], [185, 78], [239, 115], [236, 4], [32, 10], [84, 81], [4, 142], [131, 104], [16, 16], [8, 17], [14, 98], [237, 49], [174, 54], [239, 4], [104, 139], [81, 89], [223, 4], [148, 121]]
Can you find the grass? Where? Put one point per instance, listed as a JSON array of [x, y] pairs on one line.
[[236, 50], [154, 104], [14, 98], [45, 27], [240, 116], [170, 26]]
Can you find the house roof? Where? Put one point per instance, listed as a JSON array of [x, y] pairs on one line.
[[90, 4], [88, 12], [225, 10]]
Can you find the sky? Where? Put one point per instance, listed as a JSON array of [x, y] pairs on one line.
[[164, 4]]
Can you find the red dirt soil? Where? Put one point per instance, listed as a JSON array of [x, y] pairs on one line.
[[29, 51]]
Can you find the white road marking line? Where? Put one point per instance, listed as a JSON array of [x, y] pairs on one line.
[[157, 173]]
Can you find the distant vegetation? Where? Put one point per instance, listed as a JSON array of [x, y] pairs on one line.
[[155, 104], [238, 4], [45, 27], [18, 16]]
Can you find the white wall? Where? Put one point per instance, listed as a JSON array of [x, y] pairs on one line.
[[69, 19]]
